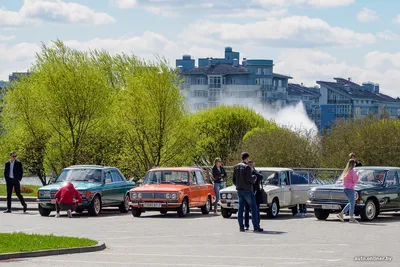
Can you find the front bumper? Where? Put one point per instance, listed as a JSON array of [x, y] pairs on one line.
[[233, 205], [155, 206], [333, 206], [47, 203]]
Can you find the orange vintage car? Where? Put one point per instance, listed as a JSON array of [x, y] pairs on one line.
[[172, 189]]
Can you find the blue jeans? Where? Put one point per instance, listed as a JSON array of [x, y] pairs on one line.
[[247, 214], [249, 198], [352, 202], [217, 187]]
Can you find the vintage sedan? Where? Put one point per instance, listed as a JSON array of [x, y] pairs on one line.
[[378, 190], [172, 189], [282, 188], [99, 187]]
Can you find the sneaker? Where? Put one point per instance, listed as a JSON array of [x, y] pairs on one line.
[[340, 217], [241, 230], [25, 208], [247, 228], [69, 214], [258, 230], [7, 211], [352, 220], [304, 215], [58, 215]]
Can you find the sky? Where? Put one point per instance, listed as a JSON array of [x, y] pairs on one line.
[[309, 40]]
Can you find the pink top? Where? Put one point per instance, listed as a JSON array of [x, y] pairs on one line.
[[350, 180]]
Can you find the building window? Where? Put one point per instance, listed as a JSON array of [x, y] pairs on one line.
[[214, 82], [201, 80], [233, 81], [267, 71], [200, 93], [280, 83], [259, 71], [187, 80]]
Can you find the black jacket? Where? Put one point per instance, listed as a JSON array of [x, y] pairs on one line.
[[218, 176], [17, 170], [358, 164], [258, 186], [242, 177]]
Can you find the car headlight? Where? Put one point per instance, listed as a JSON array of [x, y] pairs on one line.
[[356, 195], [174, 196], [310, 194], [167, 195], [133, 196], [223, 196], [229, 196], [139, 195], [44, 194], [82, 193]]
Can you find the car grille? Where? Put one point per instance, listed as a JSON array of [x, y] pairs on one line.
[[330, 195], [153, 195], [53, 193]]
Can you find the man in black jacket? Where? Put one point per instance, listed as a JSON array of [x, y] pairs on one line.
[[13, 175], [244, 182], [258, 194]]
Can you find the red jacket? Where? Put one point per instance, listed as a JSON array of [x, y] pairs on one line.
[[66, 194]]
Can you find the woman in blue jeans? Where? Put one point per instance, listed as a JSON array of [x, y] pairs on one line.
[[218, 177], [350, 179]]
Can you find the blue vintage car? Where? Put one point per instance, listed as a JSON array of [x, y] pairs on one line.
[[99, 187]]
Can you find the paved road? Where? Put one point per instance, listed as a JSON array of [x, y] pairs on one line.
[[198, 240]]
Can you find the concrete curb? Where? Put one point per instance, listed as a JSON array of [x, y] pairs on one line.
[[15, 199], [52, 252]]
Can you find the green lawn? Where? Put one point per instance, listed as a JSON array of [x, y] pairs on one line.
[[34, 188], [20, 242]]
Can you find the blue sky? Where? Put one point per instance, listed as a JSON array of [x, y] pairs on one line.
[[308, 39]]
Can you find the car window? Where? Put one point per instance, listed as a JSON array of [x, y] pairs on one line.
[[108, 175], [193, 178], [200, 178], [298, 179], [115, 176], [392, 178], [284, 178]]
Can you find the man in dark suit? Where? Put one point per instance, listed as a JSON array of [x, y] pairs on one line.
[[13, 175]]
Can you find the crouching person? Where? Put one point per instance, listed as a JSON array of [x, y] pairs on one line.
[[67, 198]]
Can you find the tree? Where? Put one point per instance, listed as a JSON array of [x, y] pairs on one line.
[[219, 132]]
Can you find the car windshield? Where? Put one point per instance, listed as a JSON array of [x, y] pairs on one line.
[[86, 175], [270, 177], [166, 177], [367, 176]]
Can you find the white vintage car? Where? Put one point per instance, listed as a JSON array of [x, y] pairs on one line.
[[282, 188]]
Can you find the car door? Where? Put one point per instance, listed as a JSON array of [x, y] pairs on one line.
[[118, 191], [299, 187], [194, 190], [203, 187], [285, 188], [107, 194], [392, 190]]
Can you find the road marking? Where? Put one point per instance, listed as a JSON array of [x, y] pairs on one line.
[[230, 245], [161, 236], [218, 256], [142, 264]]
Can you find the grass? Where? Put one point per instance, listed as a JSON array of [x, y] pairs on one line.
[[26, 190], [20, 242]]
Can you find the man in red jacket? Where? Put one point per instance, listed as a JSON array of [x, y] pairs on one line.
[[65, 199]]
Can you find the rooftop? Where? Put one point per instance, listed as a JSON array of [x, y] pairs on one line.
[[300, 90], [218, 69]]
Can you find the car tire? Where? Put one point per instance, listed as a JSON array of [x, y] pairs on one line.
[[95, 206], [273, 211], [294, 210], [183, 208], [207, 207], [321, 214], [124, 206], [136, 212], [370, 211], [43, 211], [225, 213], [163, 212]]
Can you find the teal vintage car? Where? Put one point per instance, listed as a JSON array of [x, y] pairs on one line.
[[99, 186]]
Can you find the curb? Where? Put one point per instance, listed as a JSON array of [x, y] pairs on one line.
[[52, 252]]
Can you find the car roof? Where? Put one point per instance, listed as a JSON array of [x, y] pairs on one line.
[[274, 169], [176, 169], [89, 167]]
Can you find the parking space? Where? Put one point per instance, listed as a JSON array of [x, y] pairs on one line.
[[199, 240]]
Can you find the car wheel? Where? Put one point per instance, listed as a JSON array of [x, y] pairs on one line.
[[136, 212], [370, 211], [95, 206], [163, 212], [294, 210], [207, 207], [43, 211], [124, 206], [183, 209], [321, 214], [273, 211], [225, 213]]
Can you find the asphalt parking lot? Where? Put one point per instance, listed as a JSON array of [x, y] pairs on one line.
[[199, 240]]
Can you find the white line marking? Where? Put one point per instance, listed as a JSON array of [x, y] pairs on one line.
[[142, 264], [229, 245], [219, 257]]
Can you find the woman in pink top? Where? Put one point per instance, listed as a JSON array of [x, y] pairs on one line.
[[350, 179]]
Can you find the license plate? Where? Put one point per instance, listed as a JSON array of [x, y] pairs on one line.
[[331, 207], [152, 205], [53, 201]]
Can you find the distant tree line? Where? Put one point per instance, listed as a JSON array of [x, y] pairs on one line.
[[91, 107]]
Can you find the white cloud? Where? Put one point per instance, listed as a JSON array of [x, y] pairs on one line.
[[294, 31], [367, 15], [306, 3], [58, 11], [126, 3], [308, 66], [251, 13], [388, 35], [5, 38], [397, 19]]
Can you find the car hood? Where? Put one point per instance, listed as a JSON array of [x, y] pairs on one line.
[[357, 187], [228, 189], [77, 185], [159, 188]]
